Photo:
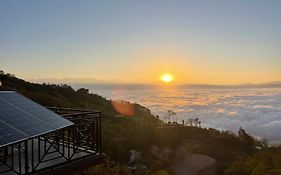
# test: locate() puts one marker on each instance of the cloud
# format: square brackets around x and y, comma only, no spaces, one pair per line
[258,111]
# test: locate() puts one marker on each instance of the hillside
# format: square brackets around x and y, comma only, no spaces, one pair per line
[161,147]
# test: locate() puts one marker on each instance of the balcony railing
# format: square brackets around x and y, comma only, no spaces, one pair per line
[59,147]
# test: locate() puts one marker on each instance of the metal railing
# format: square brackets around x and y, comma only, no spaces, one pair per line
[56,147]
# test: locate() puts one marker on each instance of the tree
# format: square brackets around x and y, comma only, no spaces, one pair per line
[168,115]
[83,91]
[238,168]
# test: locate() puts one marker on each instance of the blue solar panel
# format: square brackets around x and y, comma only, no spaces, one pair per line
[9,134]
[22,118]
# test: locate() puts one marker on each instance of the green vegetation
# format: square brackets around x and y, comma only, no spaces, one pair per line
[266,162]
[109,168]
[235,154]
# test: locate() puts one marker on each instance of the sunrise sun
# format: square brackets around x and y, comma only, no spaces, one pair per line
[167,78]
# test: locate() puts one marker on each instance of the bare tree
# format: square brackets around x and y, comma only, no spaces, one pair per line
[194,122]
[190,121]
[168,115]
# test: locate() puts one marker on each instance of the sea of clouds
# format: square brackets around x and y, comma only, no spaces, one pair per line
[257,110]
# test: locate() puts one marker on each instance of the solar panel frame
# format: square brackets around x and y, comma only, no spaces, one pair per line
[26,117]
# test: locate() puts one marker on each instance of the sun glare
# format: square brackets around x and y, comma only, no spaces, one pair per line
[167,78]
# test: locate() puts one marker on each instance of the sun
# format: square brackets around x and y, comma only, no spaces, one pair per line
[167,78]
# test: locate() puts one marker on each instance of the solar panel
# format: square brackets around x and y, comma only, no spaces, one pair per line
[21,118]
[9,134]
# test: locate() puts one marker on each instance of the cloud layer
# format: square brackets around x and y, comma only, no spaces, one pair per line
[257,110]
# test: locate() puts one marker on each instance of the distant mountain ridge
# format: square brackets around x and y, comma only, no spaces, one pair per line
[273,84]
[115,83]
[124,86]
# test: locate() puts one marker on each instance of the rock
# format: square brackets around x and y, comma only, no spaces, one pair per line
[134,162]
[195,164]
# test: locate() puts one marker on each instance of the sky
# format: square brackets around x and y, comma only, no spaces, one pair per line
[129,41]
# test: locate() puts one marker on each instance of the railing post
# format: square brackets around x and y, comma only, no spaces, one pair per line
[99,130]
[19,158]
[26,167]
